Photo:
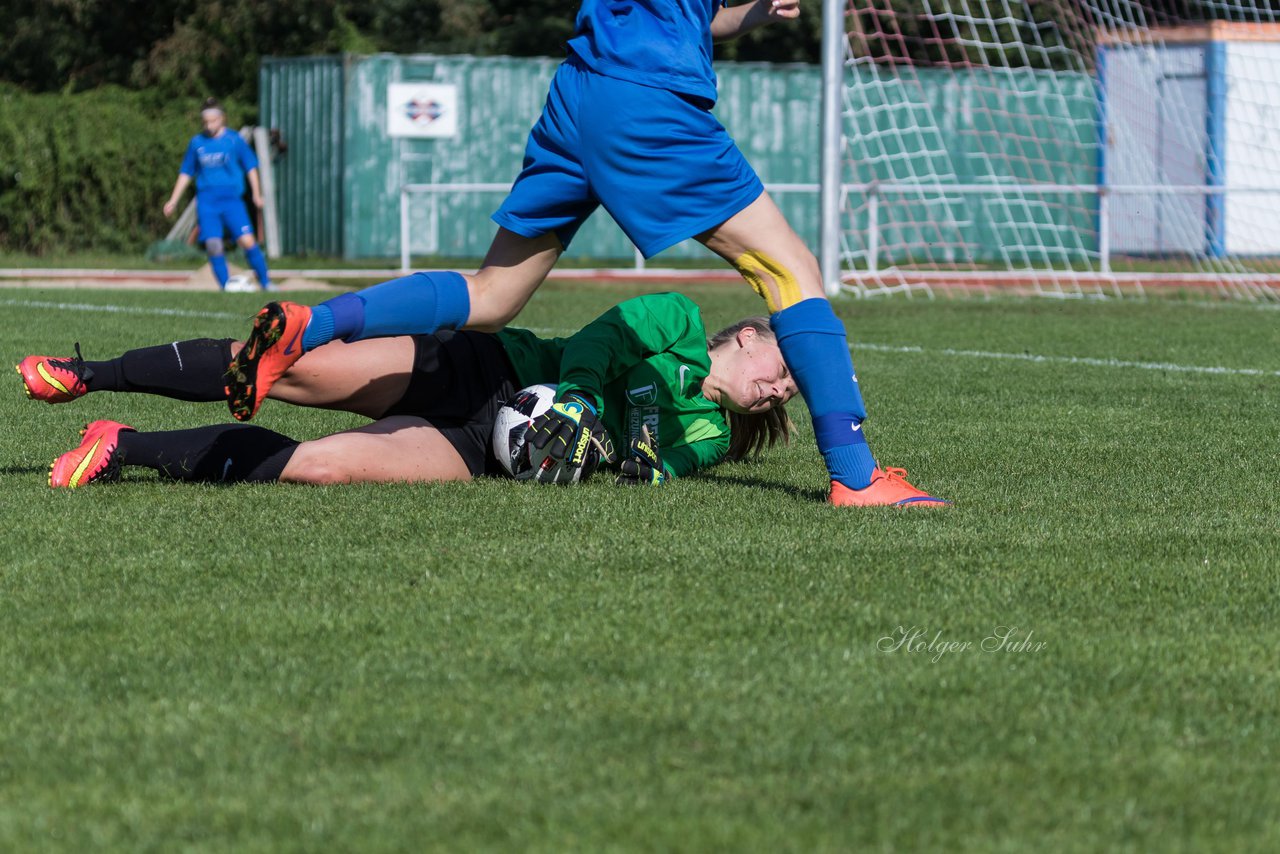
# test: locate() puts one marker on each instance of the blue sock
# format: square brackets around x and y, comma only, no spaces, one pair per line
[813,342]
[219,265]
[418,304]
[259,264]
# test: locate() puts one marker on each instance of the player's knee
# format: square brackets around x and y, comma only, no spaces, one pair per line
[214,247]
[781,284]
[310,464]
[246,241]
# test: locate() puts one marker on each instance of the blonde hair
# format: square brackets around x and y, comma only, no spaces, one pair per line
[751,434]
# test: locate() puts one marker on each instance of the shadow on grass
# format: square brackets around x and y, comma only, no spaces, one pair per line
[37,469]
[797,492]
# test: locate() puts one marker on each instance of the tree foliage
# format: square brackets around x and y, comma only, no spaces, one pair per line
[90,170]
[198,47]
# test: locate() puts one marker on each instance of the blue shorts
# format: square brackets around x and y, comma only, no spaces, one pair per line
[220,214]
[661,164]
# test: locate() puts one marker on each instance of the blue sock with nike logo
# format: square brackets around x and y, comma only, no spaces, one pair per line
[418,304]
[812,340]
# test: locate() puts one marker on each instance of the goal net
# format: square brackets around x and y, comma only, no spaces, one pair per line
[1060,147]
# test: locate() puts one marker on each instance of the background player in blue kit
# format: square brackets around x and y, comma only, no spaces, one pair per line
[628,125]
[219,160]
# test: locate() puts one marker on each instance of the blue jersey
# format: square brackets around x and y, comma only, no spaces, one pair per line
[219,163]
[661,43]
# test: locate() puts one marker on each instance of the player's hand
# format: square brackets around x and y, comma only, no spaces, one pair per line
[169,207]
[788,9]
[642,465]
[257,201]
[567,442]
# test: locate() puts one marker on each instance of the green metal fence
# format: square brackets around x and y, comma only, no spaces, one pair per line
[977,146]
[339,185]
[304,98]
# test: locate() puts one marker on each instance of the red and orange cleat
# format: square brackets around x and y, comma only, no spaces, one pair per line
[53,379]
[272,347]
[93,460]
[888,488]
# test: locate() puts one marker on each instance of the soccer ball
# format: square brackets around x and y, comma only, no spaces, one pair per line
[509,428]
[240,284]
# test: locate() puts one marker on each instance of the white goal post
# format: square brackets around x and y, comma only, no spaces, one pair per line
[1060,147]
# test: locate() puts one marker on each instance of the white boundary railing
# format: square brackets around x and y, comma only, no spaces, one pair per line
[434,191]
[874,192]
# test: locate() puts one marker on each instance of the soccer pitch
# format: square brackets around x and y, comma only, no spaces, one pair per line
[725,663]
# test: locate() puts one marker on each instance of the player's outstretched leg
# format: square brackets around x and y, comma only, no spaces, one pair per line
[95,459]
[420,303]
[813,342]
[417,304]
[54,379]
[221,453]
[758,241]
[183,370]
[273,345]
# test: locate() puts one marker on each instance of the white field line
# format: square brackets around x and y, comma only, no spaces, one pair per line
[125,309]
[1166,367]
[1086,361]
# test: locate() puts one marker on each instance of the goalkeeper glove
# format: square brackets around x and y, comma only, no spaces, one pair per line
[567,442]
[643,463]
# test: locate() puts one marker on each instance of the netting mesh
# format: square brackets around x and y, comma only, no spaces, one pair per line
[1066,147]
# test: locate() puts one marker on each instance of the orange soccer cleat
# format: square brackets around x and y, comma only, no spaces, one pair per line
[272,347]
[93,460]
[54,379]
[888,488]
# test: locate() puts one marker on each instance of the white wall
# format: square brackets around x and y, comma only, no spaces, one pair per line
[1156,111]
[1252,130]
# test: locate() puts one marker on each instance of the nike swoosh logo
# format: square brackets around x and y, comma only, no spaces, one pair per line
[226,467]
[683,369]
[288,351]
[857,427]
[80,470]
[50,378]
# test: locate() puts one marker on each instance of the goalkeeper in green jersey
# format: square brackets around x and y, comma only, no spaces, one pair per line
[661,399]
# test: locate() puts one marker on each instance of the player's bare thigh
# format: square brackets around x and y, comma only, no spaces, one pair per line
[513,269]
[399,449]
[364,377]
[761,244]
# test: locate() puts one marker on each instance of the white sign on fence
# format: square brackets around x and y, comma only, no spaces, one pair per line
[422,109]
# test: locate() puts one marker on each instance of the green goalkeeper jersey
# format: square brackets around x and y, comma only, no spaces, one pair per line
[643,362]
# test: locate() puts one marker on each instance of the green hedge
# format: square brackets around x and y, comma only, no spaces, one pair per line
[90,171]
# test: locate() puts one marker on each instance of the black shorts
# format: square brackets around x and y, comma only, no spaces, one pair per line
[460,380]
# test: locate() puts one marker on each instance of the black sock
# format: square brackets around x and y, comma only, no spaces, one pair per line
[184,370]
[222,453]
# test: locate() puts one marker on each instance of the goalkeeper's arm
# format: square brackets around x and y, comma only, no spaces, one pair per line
[561,439]
[624,336]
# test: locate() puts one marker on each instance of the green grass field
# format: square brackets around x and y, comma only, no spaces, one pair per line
[702,667]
